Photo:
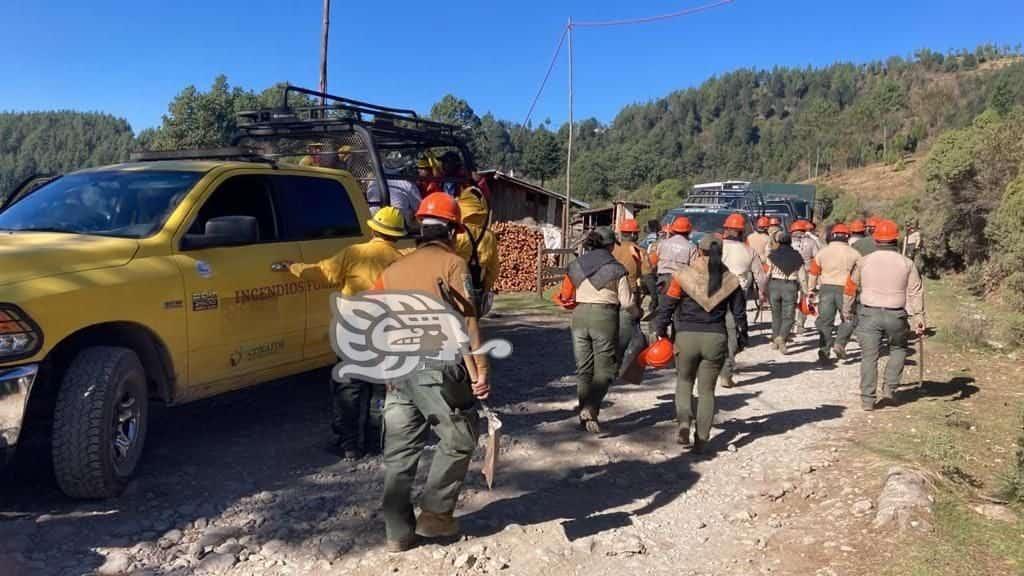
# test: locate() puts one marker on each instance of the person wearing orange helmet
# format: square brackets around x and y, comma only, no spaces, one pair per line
[827,275]
[637,265]
[867,245]
[808,249]
[786,277]
[439,395]
[890,291]
[746,265]
[675,251]
[596,287]
[857,231]
[760,239]
[698,300]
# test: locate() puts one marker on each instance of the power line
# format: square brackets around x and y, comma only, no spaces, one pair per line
[649,19]
[547,75]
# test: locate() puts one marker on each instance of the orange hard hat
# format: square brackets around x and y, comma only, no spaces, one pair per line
[806,308]
[841,229]
[441,206]
[857,227]
[629,225]
[873,221]
[886,231]
[735,222]
[681,225]
[763,222]
[774,221]
[658,355]
[801,225]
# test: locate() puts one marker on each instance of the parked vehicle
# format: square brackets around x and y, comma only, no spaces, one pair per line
[166,279]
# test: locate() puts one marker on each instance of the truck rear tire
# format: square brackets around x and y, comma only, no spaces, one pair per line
[99,424]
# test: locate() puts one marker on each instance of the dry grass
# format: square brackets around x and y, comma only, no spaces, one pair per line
[879,184]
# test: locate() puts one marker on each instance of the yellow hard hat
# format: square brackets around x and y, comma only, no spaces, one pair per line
[388,221]
[344,149]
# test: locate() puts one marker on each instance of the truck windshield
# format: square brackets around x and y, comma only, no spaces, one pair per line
[122,203]
[702,221]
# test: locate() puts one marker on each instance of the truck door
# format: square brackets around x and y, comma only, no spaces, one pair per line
[323,216]
[246,313]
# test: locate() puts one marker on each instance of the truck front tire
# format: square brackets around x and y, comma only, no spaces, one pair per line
[99,424]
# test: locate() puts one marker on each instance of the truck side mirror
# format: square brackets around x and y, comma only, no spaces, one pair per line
[224,231]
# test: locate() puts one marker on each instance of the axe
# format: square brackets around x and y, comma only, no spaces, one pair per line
[493,422]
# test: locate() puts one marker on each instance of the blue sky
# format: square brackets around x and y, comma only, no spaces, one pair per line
[130,58]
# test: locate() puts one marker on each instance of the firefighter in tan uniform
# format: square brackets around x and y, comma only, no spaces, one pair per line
[759,240]
[890,292]
[827,274]
[744,263]
[785,283]
[596,288]
[808,249]
[438,396]
[635,261]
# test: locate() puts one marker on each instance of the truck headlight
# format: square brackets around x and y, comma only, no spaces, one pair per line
[20,337]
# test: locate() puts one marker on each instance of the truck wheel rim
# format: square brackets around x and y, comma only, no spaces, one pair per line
[127,415]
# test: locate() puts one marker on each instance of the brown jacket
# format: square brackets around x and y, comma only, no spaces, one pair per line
[633,259]
[832,266]
[886,279]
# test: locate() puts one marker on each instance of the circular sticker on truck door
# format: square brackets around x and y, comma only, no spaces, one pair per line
[203,269]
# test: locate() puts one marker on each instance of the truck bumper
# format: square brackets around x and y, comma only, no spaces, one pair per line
[15,386]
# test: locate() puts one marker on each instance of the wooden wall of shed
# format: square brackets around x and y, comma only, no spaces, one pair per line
[510,202]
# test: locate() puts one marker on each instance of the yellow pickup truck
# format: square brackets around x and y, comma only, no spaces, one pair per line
[159,281]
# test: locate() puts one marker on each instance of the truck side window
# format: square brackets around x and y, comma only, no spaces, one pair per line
[313,208]
[247,195]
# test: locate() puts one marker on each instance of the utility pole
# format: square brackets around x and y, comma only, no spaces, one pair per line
[323,51]
[567,222]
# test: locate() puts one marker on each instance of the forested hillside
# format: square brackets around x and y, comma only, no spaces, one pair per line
[55,142]
[780,124]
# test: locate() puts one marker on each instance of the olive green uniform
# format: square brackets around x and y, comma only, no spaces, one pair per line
[783,295]
[437,398]
[830,303]
[595,337]
[699,357]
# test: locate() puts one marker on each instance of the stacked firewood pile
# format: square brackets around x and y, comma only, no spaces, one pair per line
[517,251]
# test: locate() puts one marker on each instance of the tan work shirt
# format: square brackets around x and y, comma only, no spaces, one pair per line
[621,295]
[744,262]
[633,259]
[886,279]
[421,270]
[759,242]
[832,266]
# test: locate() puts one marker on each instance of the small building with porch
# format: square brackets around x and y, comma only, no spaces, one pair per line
[611,215]
[515,199]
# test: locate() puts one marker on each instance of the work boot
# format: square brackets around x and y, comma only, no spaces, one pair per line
[867,406]
[823,356]
[399,546]
[780,344]
[700,447]
[434,525]
[726,381]
[683,436]
[839,350]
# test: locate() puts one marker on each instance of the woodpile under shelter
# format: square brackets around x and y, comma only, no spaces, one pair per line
[513,199]
[611,215]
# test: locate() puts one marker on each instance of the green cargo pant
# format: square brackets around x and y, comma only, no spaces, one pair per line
[830,303]
[349,404]
[625,334]
[699,355]
[873,325]
[595,330]
[435,399]
[733,338]
[783,297]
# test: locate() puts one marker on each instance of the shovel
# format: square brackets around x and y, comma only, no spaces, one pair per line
[493,434]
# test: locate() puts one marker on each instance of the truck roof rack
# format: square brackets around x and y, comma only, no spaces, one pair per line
[392,128]
[230,153]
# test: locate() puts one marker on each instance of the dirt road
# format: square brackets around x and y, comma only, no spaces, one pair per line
[243,484]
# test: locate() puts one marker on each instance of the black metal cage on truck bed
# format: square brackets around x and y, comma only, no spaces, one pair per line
[378,145]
